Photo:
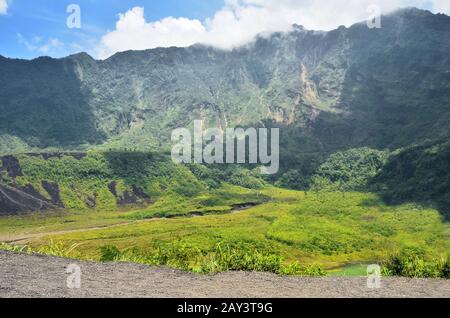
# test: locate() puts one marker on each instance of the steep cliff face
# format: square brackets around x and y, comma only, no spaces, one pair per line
[383,88]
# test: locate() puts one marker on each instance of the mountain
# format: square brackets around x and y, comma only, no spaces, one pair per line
[382,88]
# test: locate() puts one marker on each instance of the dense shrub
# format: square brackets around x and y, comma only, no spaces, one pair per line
[350,170]
[293,179]
[215,175]
[419,174]
[412,263]
[222,257]
[245,179]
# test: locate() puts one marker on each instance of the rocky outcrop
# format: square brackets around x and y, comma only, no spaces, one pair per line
[15,201]
[136,196]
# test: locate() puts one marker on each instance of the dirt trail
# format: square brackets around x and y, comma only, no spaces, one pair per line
[23,275]
[25,238]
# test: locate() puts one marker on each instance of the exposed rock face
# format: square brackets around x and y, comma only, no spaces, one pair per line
[80,181]
[11,165]
[15,201]
[136,196]
[53,190]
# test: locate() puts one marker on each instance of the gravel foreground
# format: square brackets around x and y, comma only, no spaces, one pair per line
[40,276]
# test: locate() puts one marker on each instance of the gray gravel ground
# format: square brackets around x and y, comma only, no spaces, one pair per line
[43,276]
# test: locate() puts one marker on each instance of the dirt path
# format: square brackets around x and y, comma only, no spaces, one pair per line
[24,275]
[25,238]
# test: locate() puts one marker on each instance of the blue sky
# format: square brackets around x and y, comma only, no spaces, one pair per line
[39,21]
[31,28]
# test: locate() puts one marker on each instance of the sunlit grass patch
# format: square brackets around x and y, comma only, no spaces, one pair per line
[308,231]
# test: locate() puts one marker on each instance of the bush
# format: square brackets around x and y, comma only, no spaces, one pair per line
[349,170]
[109,253]
[59,249]
[245,179]
[412,263]
[222,257]
[446,269]
[241,258]
[301,270]
[293,179]
[15,248]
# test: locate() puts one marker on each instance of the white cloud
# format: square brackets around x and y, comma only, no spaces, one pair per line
[37,39]
[133,32]
[442,6]
[55,43]
[36,44]
[239,21]
[3,6]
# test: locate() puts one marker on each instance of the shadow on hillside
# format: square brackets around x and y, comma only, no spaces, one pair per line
[133,166]
[124,163]
[44,103]
[418,174]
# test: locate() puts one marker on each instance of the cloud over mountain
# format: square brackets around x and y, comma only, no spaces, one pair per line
[3,6]
[239,21]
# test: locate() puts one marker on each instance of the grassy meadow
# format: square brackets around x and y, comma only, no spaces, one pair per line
[281,231]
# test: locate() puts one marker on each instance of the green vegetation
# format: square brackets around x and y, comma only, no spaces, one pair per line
[234,256]
[349,170]
[350,270]
[219,201]
[107,181]
[415,263]
[15,248]
[103,180]
[360,91]
[300,232]
[363,134]
[417,174]
[253,226]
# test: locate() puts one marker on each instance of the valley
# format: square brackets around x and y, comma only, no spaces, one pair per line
[293,233]
[86,172]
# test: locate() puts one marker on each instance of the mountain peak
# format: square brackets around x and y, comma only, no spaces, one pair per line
[81,56]
[412,12]
[298,27]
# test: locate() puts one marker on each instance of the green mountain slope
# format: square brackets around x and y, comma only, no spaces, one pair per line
[420,174]
[106,181]
[343,99]
[383,88]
